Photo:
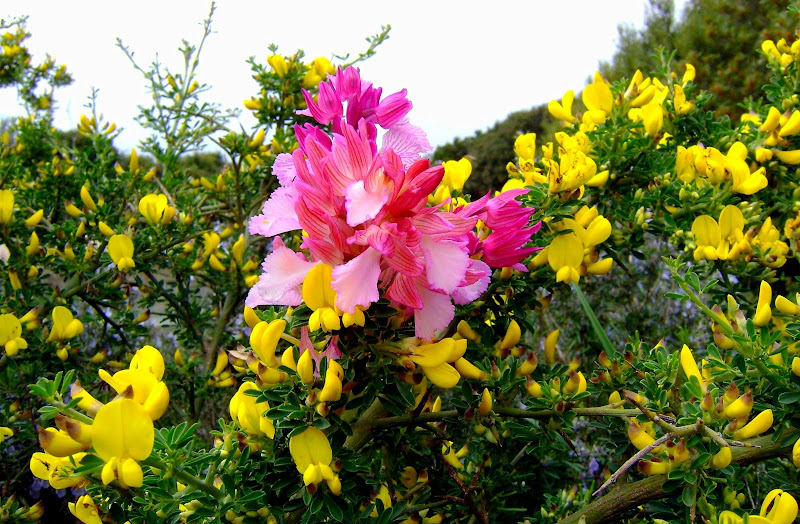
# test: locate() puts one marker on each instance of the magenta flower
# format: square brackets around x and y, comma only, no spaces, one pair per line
[363,210]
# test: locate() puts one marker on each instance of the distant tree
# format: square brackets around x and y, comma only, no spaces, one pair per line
[636,47]
[718,37]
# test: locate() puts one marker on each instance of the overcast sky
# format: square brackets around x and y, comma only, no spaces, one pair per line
[466,65]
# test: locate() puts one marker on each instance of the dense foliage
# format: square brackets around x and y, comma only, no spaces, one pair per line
[331,330]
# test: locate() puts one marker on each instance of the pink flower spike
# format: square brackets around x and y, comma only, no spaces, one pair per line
[356,283]
[392,109]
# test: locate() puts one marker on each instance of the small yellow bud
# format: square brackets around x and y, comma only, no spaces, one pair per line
[755,427]
[87,200]
[722,458]
[72,210]
[305,368]
[486,403]
[550,343]
[35,218]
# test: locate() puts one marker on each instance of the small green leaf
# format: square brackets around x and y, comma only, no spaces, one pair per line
[687,497]
[790,397]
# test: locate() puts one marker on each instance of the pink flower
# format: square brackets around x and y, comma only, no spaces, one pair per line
[363,211]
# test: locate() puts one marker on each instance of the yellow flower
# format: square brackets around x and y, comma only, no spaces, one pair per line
[761,423]
[264,339]
[681,106]
[64,325]
[572,171]
[249,414]
[525,146]
[456,173]
[312,455]
[689,366]
[149,359]
[142,381]
[123,434]
[10,331]
[120,248]
[597,95]
[435,359]
[653,118]
[278,64]
[565,255]
[85,510]
[779,507]
[763,310]
[57,471]
[332,389]
[722,458]
[156,210]
[563,110]
[6,206]
[320,297]
[59,444]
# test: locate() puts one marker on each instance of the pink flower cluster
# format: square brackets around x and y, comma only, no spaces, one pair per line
[363,211]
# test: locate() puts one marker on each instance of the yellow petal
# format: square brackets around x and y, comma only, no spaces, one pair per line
[432,355]
[444,375]
[310,447]
[149,359]
[122,428]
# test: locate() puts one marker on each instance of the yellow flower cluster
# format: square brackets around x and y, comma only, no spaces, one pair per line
[730,405]
[573,253]
[709,165]
[570,172]
[727,240]
[121,432]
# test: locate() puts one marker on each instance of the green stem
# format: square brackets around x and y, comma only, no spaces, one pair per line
[72,413]
[186,478]
[290,339]
[596,326]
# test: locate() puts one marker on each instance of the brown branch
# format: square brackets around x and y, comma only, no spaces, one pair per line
[610,507]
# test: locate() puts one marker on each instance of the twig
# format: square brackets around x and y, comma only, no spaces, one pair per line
[633,460]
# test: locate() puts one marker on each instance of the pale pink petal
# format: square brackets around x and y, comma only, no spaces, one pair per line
[362,205]
[436,313]
[278,215]
[284,271]
[284,169]
[482,275]
[356,283]
[407,141]
[446,263]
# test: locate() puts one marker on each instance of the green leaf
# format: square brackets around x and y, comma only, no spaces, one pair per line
[687,497]
[252,496]
[790,397]
[321,423]
[333,509]
[693,281]
[48,412]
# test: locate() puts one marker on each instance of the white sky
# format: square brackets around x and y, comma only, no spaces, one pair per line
[465,64]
